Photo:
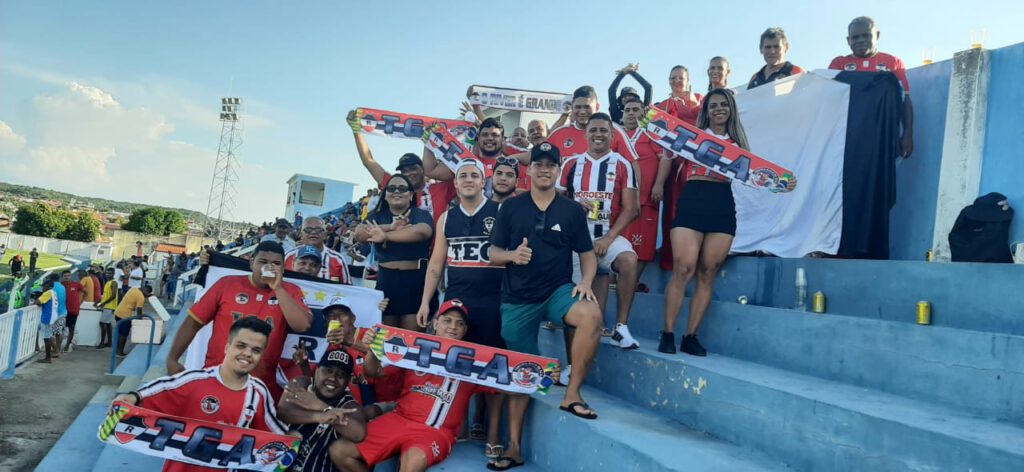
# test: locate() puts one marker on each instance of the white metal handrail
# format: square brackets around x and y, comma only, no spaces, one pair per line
[18,329]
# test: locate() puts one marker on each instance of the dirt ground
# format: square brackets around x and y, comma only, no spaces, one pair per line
[42,400]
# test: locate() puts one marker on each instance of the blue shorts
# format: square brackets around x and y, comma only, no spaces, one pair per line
[520,323]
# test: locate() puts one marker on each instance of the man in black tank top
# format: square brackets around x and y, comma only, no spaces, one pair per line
[461,244]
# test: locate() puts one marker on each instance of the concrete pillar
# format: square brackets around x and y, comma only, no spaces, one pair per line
[963,144]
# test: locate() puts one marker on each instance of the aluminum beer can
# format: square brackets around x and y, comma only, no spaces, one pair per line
[924,313]
[595,210]
[929,256]
[818,306]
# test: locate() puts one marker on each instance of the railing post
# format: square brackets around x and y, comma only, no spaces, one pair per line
[116,338]
[16,335]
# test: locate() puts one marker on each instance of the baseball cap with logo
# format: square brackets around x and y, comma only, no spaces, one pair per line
[453,304]
[547,151]
[337,303]
[307,251]
[407,160]
[339,358]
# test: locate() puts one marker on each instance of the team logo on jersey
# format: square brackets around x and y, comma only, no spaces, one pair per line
[638,240]
[396,351]
[765,177]
[274,452]
[272,301]
[882,67]
[488,225]
[209,404]
[850,66]
[435,448]
[527,374]
[259,297]
[567,144]
[241,299]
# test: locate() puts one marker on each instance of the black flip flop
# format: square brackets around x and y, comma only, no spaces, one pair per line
[572,409]
[512,463]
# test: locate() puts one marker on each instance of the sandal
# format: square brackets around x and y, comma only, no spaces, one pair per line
[508,461]
[478,432]
[572,408]
[493,452]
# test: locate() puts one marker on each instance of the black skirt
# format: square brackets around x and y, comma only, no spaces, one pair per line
[404,289]
[706,207]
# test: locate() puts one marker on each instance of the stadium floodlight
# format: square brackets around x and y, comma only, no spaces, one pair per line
[221,203]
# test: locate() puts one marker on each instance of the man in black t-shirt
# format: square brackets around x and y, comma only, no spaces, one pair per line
[534,237]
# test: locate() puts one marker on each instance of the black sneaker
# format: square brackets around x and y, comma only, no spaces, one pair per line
[691,346]
[667,343]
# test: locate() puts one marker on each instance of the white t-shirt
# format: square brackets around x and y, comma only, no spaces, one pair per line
[132,281]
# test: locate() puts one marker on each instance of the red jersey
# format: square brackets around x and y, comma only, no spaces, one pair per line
[490,162]
[332,265]
[74,296]
[436,401]
[693,169]
[682,108]
[201,394]
[648,156]
[572,141]
[880,62]
[433,199]
[602,180]
[97,289]
[233,297]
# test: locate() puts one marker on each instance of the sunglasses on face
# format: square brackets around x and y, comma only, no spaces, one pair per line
[396,189]
[312,230]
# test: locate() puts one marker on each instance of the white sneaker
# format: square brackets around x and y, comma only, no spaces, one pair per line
[564,378]
[623,338]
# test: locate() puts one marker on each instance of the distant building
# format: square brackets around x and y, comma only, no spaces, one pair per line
[316,195]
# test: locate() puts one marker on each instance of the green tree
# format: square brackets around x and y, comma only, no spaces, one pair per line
[36,219]
[81,226]
[153,220]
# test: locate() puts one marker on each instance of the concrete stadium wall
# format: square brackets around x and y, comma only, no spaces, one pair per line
[1003,165]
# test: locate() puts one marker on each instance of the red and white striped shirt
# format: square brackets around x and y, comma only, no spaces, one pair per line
[332,265]
[571,140]
[598,180]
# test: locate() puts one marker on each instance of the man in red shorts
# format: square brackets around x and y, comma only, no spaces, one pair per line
[422,428]
[862,36]
[643,232]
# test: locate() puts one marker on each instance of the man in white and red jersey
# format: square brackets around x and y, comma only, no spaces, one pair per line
[490,147]
[571,139]
[603,181]
[224,393]
[432,197]
[262,294]
[643,232]
[332,263]
[862,36]
[430,411]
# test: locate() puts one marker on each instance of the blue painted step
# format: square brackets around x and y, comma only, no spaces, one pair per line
[626,437]
[78,448]
[810,423]
[974,371]
[467,456]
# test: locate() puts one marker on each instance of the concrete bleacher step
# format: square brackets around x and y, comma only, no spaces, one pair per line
[466,456]
[78,447]
[975,371]
[807,422]
[627,437]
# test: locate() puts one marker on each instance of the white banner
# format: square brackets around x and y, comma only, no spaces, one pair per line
[520,100]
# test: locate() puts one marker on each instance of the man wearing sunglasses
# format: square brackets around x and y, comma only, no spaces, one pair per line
[332,264]
[280,235]
[534,237]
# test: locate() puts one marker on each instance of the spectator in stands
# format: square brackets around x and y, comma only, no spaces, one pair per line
[3,249]
[519,139]
[537,132]
[432,197]
[88,286]
[490,146]
[704,226]
[130,305]
[862,36]
[505,179]
[298,219]
[332,263]
[534,237]
[33,257]
[643,232]
[615,98]
[262,293]
[177,268]
[718,73]
[219,246]
[137,274]
[307,260]
[17,264]
[571,139]
[774,46]
[62,312]
[401,235]
[242,399]
[47,300]
[108,303]
[280,235]
[75,293]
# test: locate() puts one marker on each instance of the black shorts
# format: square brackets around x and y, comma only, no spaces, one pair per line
[72,320]
[706,207]
[404,290]
[484,321]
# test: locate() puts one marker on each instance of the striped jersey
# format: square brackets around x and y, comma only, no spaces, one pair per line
[436,401]
[48,305]
[201,394]
[572,140]
[601,181]
[314,453]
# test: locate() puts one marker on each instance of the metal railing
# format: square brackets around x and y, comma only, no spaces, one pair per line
[116,338]
[18,330]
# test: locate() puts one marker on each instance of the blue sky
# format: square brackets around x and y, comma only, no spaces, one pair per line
[119,99]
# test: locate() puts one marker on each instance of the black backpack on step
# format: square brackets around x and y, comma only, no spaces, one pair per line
[981,232]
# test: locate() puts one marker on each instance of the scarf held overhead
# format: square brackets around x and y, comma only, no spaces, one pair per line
[404,125]
[196,442]
[496,368]
[446,147]
[728,160]
[519,100]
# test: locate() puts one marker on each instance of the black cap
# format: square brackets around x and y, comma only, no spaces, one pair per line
[409,159]
[545,150]
[628,91]
[337,357]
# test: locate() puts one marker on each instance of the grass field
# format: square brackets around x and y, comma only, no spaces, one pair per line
[45,261]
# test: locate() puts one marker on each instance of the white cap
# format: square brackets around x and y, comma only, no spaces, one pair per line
[471,162]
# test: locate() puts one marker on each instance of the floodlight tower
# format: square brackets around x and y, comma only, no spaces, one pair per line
[221,204]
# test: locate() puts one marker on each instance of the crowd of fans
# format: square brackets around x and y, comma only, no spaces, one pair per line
[531,231]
